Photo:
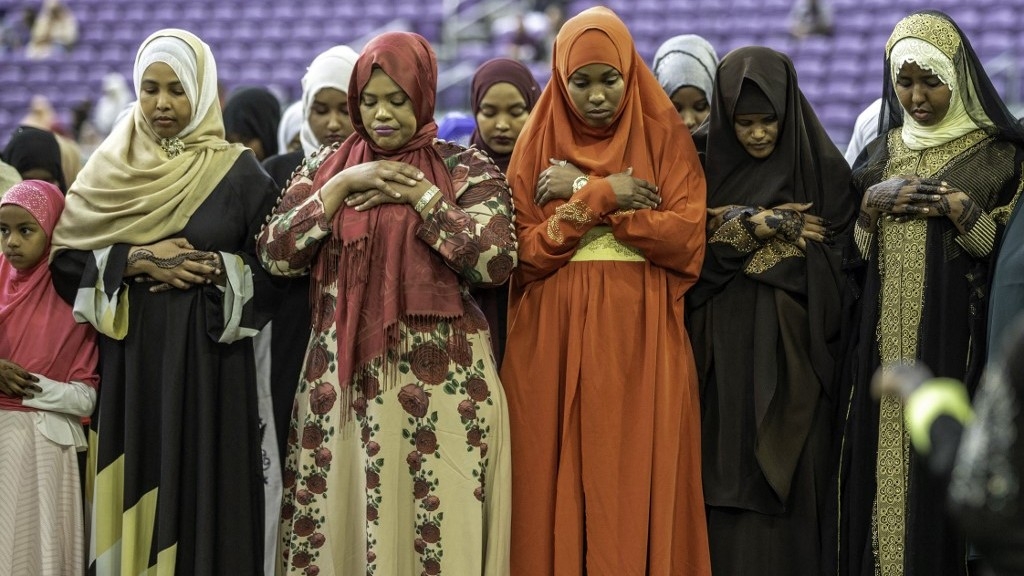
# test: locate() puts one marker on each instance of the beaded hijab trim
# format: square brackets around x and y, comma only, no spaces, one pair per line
[930,28]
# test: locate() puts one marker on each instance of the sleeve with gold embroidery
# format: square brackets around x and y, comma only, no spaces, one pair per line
[475,236]
[735,234]
[548,237]
[863,239]
[673,234]
[289,240]
[981,238]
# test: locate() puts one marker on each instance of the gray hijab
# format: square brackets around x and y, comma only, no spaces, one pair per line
[686,60]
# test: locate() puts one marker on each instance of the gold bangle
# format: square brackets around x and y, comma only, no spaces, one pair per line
[426,198]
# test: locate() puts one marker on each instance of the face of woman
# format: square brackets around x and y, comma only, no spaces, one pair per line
[328,116]
[387,112]
[501,117]
[163,100]
[757,133]
[692,104]
[596,90]
[922,94]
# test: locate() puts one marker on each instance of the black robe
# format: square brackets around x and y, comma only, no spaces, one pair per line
[766,326]
[291,328]
[943,306]
[177,418]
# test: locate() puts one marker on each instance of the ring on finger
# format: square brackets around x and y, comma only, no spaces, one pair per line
[562,163]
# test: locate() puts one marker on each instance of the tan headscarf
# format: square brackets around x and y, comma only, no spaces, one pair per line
[131,190]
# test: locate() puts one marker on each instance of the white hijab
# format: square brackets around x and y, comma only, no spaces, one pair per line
[291,124]
[330,69]
[686,60]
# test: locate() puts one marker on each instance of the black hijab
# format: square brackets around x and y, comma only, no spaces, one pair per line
[254,113]
[750,304]
[31,148]
[804,167]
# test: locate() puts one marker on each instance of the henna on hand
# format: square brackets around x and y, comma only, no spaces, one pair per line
[883,196]
[166,263]
[970,212]
[789,224]
[865,221]
[738,211]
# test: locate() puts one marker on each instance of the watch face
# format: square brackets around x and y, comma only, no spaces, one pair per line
[579,182]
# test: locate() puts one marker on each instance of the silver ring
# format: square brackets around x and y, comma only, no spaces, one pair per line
[561,163]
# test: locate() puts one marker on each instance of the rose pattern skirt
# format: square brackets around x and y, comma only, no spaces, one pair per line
[411,463]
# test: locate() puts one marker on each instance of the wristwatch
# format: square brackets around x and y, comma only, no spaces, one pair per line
[579,182]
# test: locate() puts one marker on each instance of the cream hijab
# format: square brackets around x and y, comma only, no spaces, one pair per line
[133,190]
[957,121]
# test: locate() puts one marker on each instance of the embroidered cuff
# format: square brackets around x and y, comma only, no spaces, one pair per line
[862,238]
[770,254]
[735,234]
[981,238]
[575,213]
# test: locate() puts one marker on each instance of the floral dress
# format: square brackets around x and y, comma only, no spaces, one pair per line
[408,472]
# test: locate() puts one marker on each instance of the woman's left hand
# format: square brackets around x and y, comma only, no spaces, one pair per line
[406,195]
[956,205]
[556,181]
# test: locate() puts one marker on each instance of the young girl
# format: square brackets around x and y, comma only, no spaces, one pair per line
[48,383]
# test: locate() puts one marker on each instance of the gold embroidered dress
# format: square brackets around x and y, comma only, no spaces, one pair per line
[924,301]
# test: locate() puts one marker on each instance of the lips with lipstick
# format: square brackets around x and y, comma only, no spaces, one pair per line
[384,131]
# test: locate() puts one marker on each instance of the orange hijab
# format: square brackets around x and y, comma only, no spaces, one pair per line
[557,130]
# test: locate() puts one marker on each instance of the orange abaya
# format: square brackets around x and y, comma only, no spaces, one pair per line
[598,370]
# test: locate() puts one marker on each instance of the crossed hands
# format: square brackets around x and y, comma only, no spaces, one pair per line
[371,184]
[174,263]
[788,222]
[555,182]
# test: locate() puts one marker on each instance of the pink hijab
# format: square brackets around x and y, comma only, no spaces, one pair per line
[37,329]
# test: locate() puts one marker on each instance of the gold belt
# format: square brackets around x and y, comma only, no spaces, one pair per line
[599,243]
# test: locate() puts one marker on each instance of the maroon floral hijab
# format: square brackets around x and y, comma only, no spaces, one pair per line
[384,272]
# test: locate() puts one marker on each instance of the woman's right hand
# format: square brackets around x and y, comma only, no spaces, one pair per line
[173,263]
[633,193]
[791,223]
[17,382]
[366,180]
[718,216]
[901,195]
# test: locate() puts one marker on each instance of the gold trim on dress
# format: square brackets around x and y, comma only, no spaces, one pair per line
[735,234]
[770,254]
[901,266]
[575,213]
[1002,214]
[599,243]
